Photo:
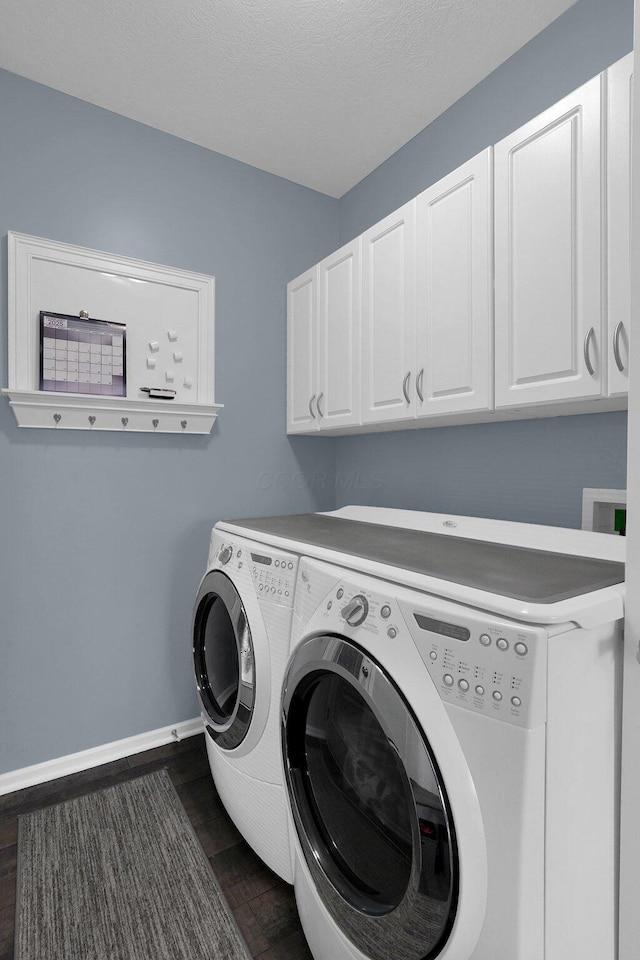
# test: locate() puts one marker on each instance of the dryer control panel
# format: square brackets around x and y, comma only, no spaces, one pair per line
[492,666]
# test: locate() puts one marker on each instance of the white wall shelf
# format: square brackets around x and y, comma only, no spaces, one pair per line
[169,316]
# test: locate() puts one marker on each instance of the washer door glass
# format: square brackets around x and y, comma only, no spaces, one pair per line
[223,660]
[369,805]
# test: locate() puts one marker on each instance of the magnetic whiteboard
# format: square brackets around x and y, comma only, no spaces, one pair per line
[169,314]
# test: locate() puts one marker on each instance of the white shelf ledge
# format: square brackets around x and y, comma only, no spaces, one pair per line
[69,411]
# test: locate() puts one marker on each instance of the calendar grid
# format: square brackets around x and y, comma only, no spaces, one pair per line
[83,356]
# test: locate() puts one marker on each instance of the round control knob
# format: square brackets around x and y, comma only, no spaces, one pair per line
[356,611]
[521,648]
[448,680]
[502,644]
[516,701]
[340,594]
[464,685]
[485,639]
[496,695]
[225,554]
[433,655]
[480,690]
[392,633]
[385,611]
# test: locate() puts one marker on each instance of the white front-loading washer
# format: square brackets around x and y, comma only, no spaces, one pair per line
[452,763]
[241,632]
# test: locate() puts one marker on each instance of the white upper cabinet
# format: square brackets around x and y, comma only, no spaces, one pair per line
[388,317]
[619,78]
[454,293]
[339,331]
[501,290]
[302,352]
[548,289]
[323,343]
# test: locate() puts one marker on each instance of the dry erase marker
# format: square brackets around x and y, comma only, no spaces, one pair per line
[159,393]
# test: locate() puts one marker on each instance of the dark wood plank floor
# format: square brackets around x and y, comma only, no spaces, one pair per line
[263,905]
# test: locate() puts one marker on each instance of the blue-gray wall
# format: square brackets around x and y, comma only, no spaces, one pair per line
[104,536]
[529,470]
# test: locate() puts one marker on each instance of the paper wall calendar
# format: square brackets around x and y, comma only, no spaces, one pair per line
[82,355]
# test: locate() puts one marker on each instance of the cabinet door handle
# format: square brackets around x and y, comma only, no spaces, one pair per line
[419,379]
[616,345]
[587,357]
[318,407]
[405,386]
[313,416]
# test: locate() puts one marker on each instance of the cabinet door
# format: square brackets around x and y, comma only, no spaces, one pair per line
[548,308]
[388,317]
[302,353]
[454,291]
[619,78]
[340,300]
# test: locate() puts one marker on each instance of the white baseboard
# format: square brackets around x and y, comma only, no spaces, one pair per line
[62,766]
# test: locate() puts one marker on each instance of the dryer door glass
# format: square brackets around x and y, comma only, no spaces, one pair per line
[223,660]
[369,804]
[359,794]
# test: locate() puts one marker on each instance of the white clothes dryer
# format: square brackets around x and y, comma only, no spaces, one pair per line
[241,632]
[451,752]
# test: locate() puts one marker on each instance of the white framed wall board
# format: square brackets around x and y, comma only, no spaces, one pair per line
[168,314]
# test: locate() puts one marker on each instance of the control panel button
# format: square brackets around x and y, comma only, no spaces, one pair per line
[433,655]
[480,690]
[447,680]
[340,594]
[329,605]
[225,554]
[485,639]
[290,566]
[502,644]
[464,685]
[392,632]
[385,611]
[497,695]
[516,701]
[521,648]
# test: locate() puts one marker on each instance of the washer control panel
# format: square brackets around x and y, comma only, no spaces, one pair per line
[273,571]
[493,667]
[274,575]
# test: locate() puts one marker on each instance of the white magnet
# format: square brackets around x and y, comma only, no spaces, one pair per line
[154,345]
[177,356]
[170,376]
[188,382]
[151,362]
[172,334]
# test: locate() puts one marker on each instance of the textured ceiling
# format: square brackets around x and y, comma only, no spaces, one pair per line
[318,91]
